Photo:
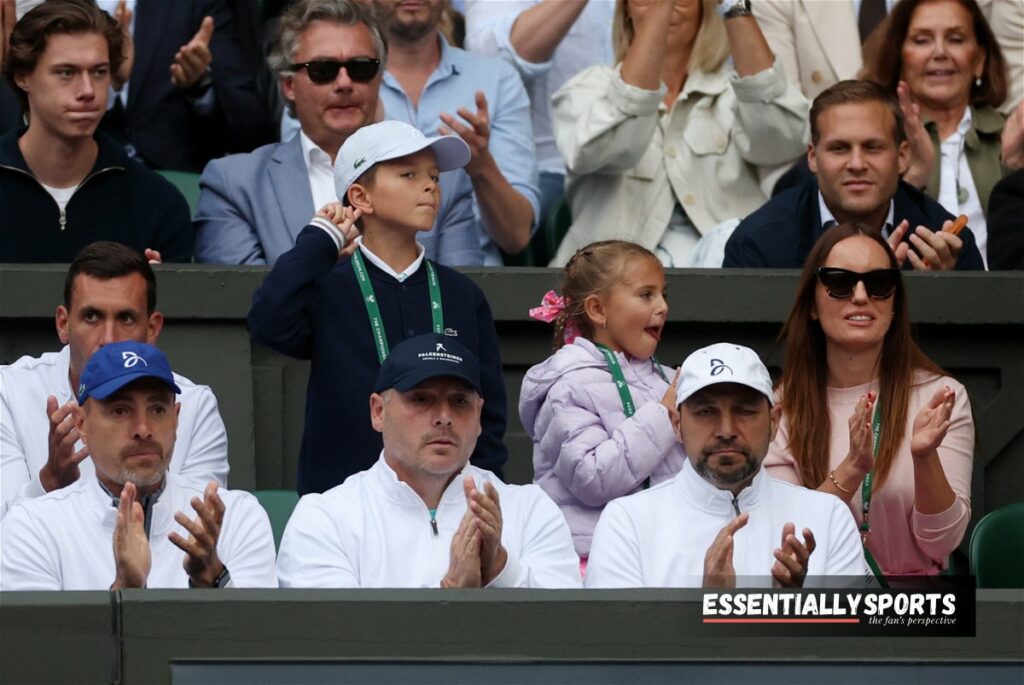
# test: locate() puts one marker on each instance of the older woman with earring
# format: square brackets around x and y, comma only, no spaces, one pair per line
[944,62]
[898,444]
[673,139]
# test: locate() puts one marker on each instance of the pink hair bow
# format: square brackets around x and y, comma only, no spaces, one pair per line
[551,306]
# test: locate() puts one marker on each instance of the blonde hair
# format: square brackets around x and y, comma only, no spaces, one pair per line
[593,270]
[710,49]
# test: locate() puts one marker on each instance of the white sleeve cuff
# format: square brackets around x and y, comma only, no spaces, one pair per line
[331,229]
[513,575]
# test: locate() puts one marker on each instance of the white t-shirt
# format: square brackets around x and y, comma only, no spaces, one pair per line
[63,540]
[200,448]
[60,195]
[373,530]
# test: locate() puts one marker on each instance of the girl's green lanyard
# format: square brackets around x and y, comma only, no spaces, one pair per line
[628,408]
[370,300]
[865,493]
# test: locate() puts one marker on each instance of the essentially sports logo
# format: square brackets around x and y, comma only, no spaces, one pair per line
[359,162]
[942,609]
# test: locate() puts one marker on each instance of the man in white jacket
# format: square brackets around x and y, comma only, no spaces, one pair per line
[422,516]
[723,522]
[124,525]
[109,296]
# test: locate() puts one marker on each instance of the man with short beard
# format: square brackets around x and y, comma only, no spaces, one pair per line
[127,416]
[723,522]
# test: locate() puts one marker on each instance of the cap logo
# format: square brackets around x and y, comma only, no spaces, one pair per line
[81,388]
[131,359]
[718,367]
[451,332]
[440,347]
[359,163]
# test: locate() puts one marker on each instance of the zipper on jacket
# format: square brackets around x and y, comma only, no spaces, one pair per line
[736,505]
[63,212]
[433,524]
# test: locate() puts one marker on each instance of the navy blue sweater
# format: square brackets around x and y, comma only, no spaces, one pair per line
[119,200]
[781,233]
[310,307]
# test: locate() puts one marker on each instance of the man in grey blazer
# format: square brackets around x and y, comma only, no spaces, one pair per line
[329,57]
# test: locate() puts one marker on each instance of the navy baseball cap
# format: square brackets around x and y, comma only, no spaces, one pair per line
[424,357]
[116,365]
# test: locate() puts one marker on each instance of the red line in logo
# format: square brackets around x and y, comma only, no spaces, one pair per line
[782,620]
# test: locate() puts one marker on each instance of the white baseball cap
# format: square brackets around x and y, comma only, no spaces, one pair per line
[723,363]
[390,140]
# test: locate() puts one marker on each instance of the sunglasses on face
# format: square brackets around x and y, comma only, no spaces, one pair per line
[321,71]
[840,283]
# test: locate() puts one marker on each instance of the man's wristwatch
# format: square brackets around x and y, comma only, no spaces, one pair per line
[730,9]
[222,579]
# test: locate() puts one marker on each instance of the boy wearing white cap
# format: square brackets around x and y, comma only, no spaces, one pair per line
[342,299]
[723,522]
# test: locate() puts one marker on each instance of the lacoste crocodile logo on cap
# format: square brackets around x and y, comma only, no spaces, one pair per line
[359,162]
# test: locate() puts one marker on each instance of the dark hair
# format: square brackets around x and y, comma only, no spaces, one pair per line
[592,270]
[105,259]
[804,380]
[32,33]
[886,67]
[851,92]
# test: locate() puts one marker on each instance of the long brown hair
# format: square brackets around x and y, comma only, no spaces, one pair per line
[592,270]
[804,380]
[885,67]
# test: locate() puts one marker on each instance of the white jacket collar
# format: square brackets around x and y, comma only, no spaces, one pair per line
[384,478]
[101,506]
[716,501]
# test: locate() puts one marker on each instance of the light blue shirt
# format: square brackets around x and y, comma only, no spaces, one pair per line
[454,83]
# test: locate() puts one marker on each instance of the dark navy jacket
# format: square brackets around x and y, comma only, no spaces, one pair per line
[310,307]
[119,200]
[781,233]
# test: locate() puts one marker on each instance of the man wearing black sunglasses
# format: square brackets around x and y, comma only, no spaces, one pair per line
[329,56]
[858,153]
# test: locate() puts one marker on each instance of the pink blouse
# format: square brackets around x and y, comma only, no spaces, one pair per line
[903,540]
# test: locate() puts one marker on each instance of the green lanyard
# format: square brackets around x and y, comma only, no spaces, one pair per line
[865,493]
[380,338]
[628,407]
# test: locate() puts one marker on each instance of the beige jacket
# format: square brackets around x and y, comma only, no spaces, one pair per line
[629,161]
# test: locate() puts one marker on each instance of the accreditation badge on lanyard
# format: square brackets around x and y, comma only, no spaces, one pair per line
[865,494]
[628,407]
[380,338]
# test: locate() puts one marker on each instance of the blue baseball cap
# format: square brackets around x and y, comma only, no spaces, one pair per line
[387,140]
[116,365]
[423,357]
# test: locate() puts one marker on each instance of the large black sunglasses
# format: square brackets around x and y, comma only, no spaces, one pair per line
[840,283]
[321,71]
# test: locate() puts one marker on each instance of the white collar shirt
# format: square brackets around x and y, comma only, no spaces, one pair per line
[320,170]
[828,220]
[399,276]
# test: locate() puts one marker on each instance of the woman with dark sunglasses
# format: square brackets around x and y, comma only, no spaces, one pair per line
[867,416]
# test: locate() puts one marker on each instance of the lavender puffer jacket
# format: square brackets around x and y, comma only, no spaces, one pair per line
[585,451]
